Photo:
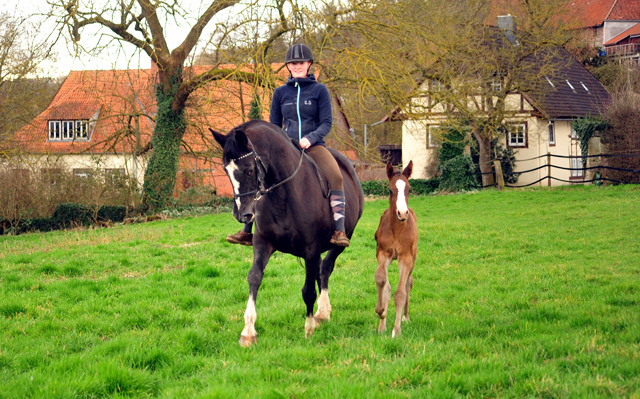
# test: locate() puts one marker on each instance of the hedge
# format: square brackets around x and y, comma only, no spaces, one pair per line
[65,216]
[418,186]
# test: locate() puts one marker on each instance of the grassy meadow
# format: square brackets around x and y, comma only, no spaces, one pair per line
[528,293]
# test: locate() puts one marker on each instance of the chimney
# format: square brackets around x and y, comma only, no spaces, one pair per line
[507,24]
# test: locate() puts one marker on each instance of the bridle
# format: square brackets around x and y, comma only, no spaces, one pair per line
[262,171]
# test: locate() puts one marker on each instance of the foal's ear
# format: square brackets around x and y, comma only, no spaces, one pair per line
[219,137]
[407,171]
[390,170]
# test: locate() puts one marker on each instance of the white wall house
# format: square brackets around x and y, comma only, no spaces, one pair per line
[539,121]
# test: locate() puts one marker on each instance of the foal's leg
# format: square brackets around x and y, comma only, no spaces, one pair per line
[326,268]
[384,289]
[309,293]
[261,256]
[405,317]
[402,296]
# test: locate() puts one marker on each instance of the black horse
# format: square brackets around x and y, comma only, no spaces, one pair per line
[276,187]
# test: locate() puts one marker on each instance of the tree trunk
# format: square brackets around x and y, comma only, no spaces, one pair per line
[160,176]
[484,150]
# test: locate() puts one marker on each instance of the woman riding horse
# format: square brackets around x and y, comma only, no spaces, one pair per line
[303,106]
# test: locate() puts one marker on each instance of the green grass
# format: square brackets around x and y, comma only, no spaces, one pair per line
[530,293]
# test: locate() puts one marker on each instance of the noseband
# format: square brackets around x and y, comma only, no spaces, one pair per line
[262,170]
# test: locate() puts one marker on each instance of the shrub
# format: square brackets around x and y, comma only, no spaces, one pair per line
[458,174]
[375,187]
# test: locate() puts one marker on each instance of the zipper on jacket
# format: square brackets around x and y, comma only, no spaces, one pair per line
[298,109]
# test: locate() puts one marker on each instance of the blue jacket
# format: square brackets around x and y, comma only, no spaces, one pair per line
[314,117]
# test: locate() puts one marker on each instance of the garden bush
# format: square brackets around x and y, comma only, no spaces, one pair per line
[458,174]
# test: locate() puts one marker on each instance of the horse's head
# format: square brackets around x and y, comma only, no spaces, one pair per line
[245,171]
[399,189]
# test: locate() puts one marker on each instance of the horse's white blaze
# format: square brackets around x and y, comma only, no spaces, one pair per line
[250,319]
[231,168]
[401,202]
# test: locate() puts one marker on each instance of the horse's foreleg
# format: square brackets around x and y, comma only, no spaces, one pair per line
[261,256]
[401,296]
[384,289]
[309,293]
[326,268]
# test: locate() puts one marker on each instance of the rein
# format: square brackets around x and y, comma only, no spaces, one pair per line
[261,173]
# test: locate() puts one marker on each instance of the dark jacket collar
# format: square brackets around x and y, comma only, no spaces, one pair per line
[302,81]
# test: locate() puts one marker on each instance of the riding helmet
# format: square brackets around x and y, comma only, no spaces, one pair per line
[298,53]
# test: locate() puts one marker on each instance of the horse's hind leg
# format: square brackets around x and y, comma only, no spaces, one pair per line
[261,256]
[401,297]
[384,289]
[326,268]
[405,317]
[309,293]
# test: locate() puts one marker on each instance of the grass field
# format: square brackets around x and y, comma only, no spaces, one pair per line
[532,293]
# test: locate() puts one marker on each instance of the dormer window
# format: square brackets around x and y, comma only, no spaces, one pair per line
[436,85]
[68,130]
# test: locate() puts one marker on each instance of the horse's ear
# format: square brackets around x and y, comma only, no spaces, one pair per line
[390,170]
[242,140]
[219,137]
[407,171]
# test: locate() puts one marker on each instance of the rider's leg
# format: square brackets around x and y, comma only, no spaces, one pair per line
[243,237]
[329,166]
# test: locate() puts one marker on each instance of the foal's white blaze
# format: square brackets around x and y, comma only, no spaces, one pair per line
[250,319]
[401,201]
[230,168]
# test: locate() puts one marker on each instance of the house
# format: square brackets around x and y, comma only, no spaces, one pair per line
[602,21]
[103,120]
[626,46]
[539,119]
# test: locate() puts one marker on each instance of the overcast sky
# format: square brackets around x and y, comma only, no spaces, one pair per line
[120,57]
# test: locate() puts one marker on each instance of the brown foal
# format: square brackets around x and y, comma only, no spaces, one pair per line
[397,238]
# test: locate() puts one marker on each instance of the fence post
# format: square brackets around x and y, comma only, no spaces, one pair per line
[499,176]
[548,169]
[603,162]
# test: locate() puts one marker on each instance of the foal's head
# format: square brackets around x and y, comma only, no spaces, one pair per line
[399,189]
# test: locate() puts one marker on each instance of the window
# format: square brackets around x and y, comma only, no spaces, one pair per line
[51,176]
[114,176]
[83,173]
[574,134]
[436,85]
[496,84]
[576,167]
[68,130]
[433,136]
[81,130]
[552,134]
[517,135]
[54,130]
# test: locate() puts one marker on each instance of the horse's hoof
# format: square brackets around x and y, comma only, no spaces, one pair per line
[395,333]
[405,319]
[246,342]
[309,326]
[321,318]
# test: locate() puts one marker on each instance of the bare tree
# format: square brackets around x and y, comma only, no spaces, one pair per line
[142,24]
[25,90]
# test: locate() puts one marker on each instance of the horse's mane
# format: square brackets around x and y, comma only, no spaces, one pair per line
[231,148]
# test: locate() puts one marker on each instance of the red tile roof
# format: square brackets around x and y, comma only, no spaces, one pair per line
[633,31]
[593,13]
[113,96]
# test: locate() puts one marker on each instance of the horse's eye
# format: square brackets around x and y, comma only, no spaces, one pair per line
[249,173]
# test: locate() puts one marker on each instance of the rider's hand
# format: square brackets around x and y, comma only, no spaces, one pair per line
[305,143]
